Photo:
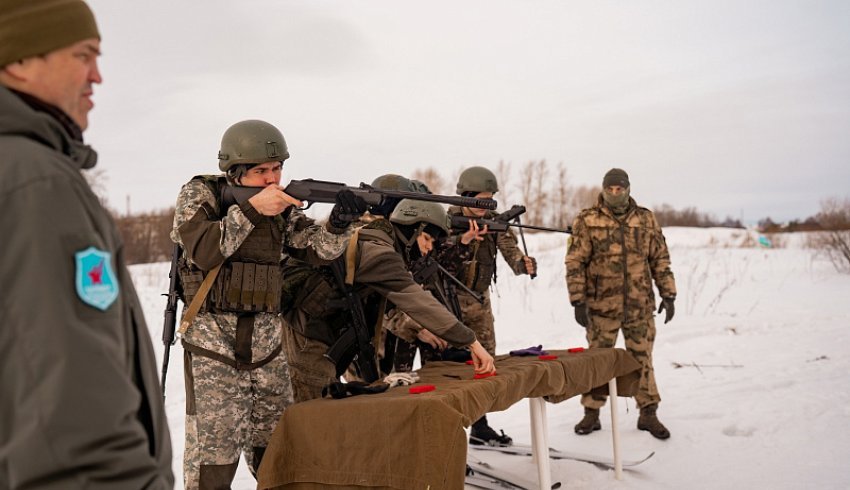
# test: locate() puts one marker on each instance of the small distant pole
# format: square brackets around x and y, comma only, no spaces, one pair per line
[128,204]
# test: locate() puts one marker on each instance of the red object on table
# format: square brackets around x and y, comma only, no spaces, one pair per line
[547,357]
[469,362]
[414,390]
[484,375]
[575,349]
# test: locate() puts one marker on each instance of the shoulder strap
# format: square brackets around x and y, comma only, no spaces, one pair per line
[198,300]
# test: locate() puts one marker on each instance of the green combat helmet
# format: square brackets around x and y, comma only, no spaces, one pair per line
[393,182]
[251,142]
[411,212]
[420,186]
[477,179]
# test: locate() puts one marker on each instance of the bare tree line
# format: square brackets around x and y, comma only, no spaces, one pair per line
[551,199]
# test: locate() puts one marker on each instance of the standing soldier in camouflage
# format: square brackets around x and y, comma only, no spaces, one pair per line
[237,378]
[478,271]
[617,250]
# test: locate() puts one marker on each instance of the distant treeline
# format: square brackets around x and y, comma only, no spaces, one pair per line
[547,193]
[552,200]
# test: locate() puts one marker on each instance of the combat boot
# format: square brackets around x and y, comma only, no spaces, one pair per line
[589,423]
[649,421]
[482,434]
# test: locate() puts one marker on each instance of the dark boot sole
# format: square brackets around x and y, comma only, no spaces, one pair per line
[661,435]
[584,432]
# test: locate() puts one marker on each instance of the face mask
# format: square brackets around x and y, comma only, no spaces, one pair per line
[617,203]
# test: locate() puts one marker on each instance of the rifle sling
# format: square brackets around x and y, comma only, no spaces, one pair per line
[193,308]
[351,257]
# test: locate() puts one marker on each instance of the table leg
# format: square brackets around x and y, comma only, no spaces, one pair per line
[615,432]
[540,441]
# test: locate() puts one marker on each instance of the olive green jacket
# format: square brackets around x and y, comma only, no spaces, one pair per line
[79,390]
[378,272]
[612,262]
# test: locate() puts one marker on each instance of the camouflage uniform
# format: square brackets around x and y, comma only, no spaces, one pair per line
[611,264]
[237,380]
[478,271]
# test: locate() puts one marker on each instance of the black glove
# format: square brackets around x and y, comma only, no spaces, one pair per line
[582,316]
[668,308]
[348,208]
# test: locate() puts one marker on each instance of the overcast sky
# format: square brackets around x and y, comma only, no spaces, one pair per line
[739,108]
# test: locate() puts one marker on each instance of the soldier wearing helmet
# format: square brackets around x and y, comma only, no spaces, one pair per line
[477,269]
[233,346]
[376,273]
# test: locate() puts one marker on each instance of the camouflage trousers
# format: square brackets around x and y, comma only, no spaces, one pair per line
[639,338]
[310,370]
[229,412]
[479,317]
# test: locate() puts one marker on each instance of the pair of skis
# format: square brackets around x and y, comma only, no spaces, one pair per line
[480,474]
[484,475]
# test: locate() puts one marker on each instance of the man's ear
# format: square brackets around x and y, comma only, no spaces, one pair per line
[18,71]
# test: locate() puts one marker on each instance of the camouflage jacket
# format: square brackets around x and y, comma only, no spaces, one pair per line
[478,268]
[209,236]
[612,261]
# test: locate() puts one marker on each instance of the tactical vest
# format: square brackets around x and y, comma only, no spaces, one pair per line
[249,280]
[315,291]
[480,270]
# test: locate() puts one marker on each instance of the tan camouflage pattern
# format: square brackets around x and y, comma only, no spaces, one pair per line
[479,317]
[234,411]
[400,324]
[612,261]
[639,338]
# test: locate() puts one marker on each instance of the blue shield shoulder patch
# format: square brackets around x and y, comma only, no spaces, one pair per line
[95,280]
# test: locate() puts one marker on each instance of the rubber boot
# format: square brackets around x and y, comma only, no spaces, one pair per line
[649,421]
[482,434]
[589,423]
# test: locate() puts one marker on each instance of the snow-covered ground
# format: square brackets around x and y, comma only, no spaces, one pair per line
[762,397]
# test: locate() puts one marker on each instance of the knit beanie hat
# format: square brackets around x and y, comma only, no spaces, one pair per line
[36,27]
[616,176]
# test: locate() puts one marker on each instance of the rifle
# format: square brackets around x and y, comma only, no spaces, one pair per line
[425,267]
[313,191]
[168,327]
[501,222]
[355,343]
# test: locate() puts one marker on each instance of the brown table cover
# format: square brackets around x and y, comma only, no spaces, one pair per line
[399,440]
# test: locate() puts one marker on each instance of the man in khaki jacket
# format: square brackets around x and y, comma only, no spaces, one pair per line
[79,390]
[616,251]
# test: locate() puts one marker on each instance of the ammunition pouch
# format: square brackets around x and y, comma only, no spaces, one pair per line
[315,296]
[241,287]
[247,287]
[477,276]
